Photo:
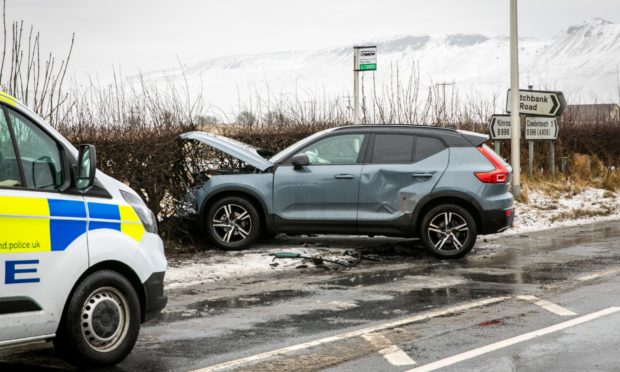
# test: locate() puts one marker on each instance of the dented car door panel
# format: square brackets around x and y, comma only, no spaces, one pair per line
[390,192]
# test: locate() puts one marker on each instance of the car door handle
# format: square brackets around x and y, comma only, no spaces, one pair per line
[344,177]
[422,175]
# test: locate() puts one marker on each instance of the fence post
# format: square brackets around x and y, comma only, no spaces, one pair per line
[563,164]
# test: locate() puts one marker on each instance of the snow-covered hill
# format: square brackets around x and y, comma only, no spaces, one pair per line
[583,61]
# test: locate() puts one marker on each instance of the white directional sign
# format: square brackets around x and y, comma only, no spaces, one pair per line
[541,128]
[536,102]
[365,58]
[499,127]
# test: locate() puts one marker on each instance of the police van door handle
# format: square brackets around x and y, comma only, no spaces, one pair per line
[344,177]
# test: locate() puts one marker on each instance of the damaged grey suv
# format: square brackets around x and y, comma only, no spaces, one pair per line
[443,186]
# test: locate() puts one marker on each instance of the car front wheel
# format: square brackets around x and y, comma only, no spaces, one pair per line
[448,231]
[233,223]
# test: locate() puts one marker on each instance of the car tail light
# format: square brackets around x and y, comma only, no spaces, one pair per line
[498,175]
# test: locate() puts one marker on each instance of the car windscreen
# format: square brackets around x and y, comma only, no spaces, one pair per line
[299,144]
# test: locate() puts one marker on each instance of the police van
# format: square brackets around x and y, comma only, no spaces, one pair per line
[80,259]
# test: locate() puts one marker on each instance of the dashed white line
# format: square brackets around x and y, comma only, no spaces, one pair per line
[392,353]
[598,274]
[514,340]
[381,327]
[556,309]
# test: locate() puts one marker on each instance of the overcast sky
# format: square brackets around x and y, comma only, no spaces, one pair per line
[153,34]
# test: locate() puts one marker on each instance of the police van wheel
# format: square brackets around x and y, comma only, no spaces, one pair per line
[233,223]
[101,322]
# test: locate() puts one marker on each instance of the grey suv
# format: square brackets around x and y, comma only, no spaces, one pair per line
[441,185]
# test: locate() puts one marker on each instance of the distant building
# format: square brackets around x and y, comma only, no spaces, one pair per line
[593,113]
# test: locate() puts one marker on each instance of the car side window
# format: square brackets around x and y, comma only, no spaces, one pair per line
[392,148]
[427,146]
[342,149]
[9,169]
[39,154]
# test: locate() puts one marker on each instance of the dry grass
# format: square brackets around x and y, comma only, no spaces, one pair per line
[581,213]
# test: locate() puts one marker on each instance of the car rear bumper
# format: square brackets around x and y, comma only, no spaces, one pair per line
[155,299]
[495,221]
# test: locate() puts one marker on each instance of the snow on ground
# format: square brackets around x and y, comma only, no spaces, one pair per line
[544,212]
[541,212]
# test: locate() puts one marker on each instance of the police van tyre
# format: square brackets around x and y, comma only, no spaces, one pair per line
[448,231]
[233,223]
[101,321]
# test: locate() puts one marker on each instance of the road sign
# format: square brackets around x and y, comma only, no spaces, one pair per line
[365,58]
[537,102]
[499,127]
[537,128]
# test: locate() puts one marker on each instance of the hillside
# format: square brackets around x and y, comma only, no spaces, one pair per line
[583,61]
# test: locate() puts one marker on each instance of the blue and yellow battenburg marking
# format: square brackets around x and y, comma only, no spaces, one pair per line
[42,225]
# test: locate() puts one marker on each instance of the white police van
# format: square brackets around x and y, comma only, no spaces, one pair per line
[80,259]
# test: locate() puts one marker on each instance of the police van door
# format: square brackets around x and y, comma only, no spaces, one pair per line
[43,244]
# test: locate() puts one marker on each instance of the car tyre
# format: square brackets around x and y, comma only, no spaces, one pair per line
[101,322]
[233,223]
[448,231]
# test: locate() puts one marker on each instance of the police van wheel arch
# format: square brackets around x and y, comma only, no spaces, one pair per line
[233,223]
[101,322]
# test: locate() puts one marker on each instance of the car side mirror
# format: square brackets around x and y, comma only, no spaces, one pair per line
[86,168]
[300,160]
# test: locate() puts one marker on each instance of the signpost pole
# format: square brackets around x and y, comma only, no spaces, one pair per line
[514,113]
[356,97]
[552,156]
[364,59]
[498,147]
[530,164]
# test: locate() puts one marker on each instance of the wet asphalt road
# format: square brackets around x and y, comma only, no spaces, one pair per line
[476,306]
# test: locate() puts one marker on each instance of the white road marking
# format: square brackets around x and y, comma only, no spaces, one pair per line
[392,353]
[514,340]
[344,336]
[556,309]
[598,275]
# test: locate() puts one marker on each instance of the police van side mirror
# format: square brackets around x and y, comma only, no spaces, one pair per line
[86,168]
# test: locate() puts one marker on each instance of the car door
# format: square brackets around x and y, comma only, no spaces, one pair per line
[321,196]
[42,230]
[400,169]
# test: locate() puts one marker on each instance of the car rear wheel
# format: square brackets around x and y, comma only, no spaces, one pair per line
[233,223]
[448,231]
[101,323]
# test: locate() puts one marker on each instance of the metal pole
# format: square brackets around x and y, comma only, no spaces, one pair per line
[356,88]
[514,110]
[498,147]
[552,151]
[356,97]
[530,151]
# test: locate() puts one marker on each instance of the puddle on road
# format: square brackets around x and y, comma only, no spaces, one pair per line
[220,305]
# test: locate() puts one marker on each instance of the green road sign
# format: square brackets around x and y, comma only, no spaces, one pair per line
[368,67]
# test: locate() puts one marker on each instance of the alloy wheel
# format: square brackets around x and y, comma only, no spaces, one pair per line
[232,223]
[448,232]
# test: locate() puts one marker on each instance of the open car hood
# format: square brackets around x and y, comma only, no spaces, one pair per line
[246,153]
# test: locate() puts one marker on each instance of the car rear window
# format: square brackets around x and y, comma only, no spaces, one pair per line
[427,146]
[393,148]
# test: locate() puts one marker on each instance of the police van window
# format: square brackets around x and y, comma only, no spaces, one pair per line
[392,148]
[427,146]
[9,170]
[38,153]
